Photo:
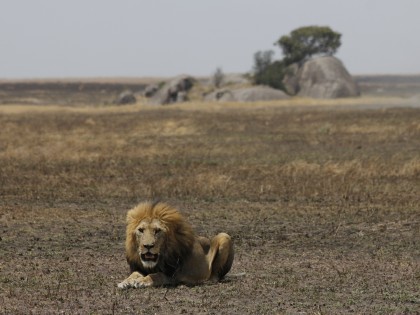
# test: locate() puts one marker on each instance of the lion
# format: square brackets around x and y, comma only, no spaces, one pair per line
[162,249]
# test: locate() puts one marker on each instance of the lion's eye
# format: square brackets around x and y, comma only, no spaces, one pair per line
[141,230]
[158,230]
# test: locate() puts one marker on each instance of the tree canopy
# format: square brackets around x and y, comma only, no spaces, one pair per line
[304,42]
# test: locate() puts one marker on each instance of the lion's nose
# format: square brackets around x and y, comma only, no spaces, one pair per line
[149,246]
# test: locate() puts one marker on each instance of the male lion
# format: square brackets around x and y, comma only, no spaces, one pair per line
[162,249]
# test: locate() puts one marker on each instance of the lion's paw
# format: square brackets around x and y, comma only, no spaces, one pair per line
[134,283]
[141,284]
[124,285]
[127,284]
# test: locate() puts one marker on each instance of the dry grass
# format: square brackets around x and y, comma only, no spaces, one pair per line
[322,202]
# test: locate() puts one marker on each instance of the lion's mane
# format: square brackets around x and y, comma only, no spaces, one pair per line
[178,243]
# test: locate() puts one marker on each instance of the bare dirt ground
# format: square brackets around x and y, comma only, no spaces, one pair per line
[322,203]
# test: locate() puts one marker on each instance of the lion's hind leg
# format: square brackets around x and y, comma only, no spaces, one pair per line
[220,256]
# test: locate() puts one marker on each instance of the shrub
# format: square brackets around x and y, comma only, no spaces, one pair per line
[218,77]
[266,71]
[272,75]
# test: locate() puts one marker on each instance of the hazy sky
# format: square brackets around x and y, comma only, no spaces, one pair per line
[96,38]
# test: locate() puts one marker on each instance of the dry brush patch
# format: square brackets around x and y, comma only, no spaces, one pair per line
[323,206]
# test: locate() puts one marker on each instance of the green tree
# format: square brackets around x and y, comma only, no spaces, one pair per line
[266,71]
[304,42]
[262,60]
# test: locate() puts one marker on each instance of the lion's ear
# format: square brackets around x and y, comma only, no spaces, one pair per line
[131,222]
[129,218]
[131,214]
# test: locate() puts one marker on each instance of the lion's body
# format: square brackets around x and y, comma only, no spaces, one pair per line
[162,249]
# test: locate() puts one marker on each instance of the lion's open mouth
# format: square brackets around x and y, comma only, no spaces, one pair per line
[149,257]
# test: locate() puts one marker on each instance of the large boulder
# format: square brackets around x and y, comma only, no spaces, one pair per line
[247,94]
[150,90]
[126,97]
[173,91]
[322,77]
[221,95]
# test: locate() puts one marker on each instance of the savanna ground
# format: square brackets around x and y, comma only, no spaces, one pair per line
[323,204]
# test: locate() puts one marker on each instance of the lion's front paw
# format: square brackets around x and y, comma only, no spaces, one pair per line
[142,283]
[124,285]
[138,282]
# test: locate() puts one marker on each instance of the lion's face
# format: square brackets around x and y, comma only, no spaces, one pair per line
[157,237]
[150,235]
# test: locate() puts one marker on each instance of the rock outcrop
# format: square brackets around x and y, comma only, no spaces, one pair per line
[173,91]
[151,90]
[126,97]
[247,94]
[322,77]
